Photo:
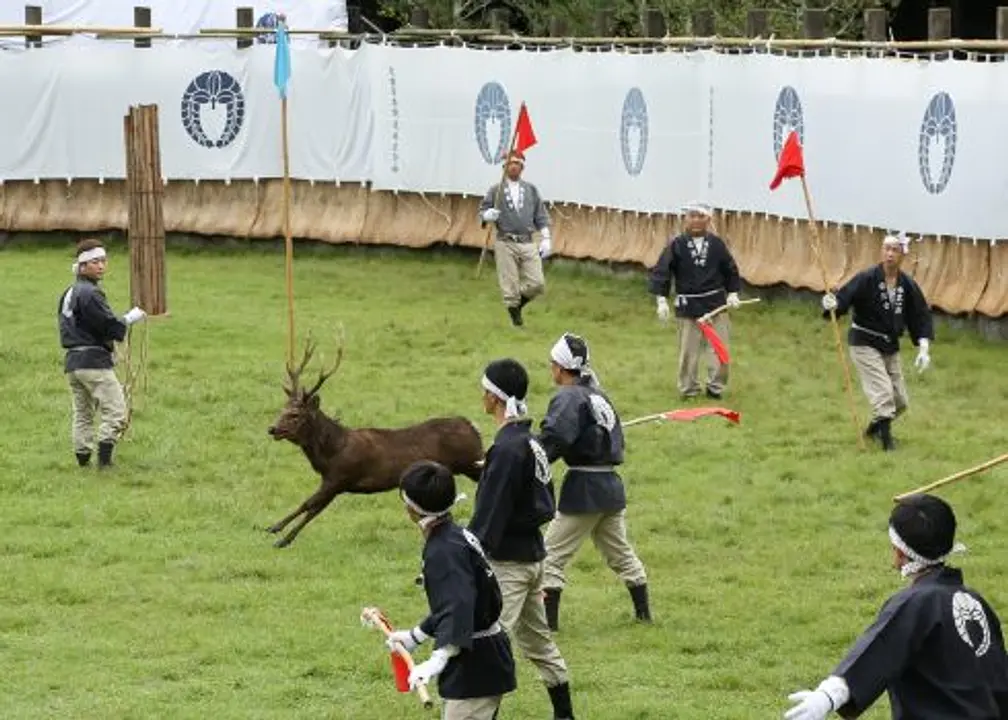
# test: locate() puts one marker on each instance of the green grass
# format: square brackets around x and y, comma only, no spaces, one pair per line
[153,592]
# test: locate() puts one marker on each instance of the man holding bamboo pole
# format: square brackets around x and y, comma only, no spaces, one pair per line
[885,301]
[517,210]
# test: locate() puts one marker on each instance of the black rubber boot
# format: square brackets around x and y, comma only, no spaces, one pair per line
[105,454]
[560,697]
[872,430]
[84,459]
[551,599]
[524,301]
[516,316]
[639,595]
[885,434]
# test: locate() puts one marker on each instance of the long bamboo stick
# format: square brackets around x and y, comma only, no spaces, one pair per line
[953,478]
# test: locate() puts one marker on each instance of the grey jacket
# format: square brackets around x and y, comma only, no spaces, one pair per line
[516,222]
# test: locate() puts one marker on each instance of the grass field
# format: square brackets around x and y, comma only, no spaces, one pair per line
[153,591]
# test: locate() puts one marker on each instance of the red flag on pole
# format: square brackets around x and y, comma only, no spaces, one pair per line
[401,672]
[791,162]
[715,342]
[524,135]
[689,414]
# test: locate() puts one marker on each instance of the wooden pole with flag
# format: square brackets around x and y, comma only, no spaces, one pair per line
[791,163]
[522,139]
[281,76]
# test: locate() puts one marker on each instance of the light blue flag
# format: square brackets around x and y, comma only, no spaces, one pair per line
[281,62]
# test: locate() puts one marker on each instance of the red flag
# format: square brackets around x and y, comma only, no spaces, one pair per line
[524,135]
[715,342]
[401,672]
[694,413]
[791,162]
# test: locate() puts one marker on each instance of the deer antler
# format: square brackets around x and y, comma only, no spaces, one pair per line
[295,375]
[326,374]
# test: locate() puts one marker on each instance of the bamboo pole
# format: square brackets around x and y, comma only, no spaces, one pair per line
[953,478]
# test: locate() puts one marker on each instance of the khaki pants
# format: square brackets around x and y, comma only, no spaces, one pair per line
[524,618]
[566,533]
[471,708]
[881,379]
[96,390]
[519,271]
[693,345]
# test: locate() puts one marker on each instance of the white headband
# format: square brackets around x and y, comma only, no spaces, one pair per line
[515,407]
[87,256]
[902,240]
[917,561]
[561,354]
[427,517]
[697,207]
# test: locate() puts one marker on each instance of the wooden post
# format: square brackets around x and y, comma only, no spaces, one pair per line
[703,23]
[141,18]
[420,17]
[939,23]
[604,22]
[814,24]
[757,22]
[500,20]
[654,24]
[244,18]
[1002,23]
[875,25]
[355,23]
[558,27]
[33,16]
[145,192]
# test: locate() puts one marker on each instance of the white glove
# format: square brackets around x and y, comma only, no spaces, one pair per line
[663,309]
[829,302]
[409,639]
[545,247]
[426,671]
[733,301]
[490,215]
[831,694]
[134,315]
[923,359]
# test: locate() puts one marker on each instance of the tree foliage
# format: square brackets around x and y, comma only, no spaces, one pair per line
[845,18]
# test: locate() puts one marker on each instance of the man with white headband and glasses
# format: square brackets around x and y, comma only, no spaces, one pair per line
[706,277]
[582,427]
[472,658]
[514,499]
[885,302]
[936,647]
[88,331]
[519,263]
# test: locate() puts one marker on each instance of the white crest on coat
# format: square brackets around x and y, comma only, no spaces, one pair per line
[603,412]
[542,463]
[966,609]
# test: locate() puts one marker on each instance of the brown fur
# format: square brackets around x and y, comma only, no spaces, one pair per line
[364,460]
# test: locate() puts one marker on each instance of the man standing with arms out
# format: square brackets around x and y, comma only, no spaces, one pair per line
[885,301]
[88,331]
[582,427]
[472,657]
[706,277]
[936,647]
[514,499]
[522,212]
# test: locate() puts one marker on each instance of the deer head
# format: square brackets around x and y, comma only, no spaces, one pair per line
[302,404]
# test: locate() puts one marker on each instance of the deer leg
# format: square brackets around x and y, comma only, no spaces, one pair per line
[312,507]
[281,524]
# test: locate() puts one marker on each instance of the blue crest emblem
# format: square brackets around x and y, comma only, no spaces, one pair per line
[787,116]
[936,149]
[215,90]
[492,105]
[634,131]
[269,22]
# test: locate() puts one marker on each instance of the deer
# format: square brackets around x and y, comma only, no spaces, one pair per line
[364,460]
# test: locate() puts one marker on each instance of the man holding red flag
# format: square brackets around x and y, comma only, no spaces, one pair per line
[517,209]
[706,277]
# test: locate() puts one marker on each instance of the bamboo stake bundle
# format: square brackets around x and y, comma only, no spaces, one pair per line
[145,190]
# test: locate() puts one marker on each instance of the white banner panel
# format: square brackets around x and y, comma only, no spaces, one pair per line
[899,144]
[613,130]
[220,114]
